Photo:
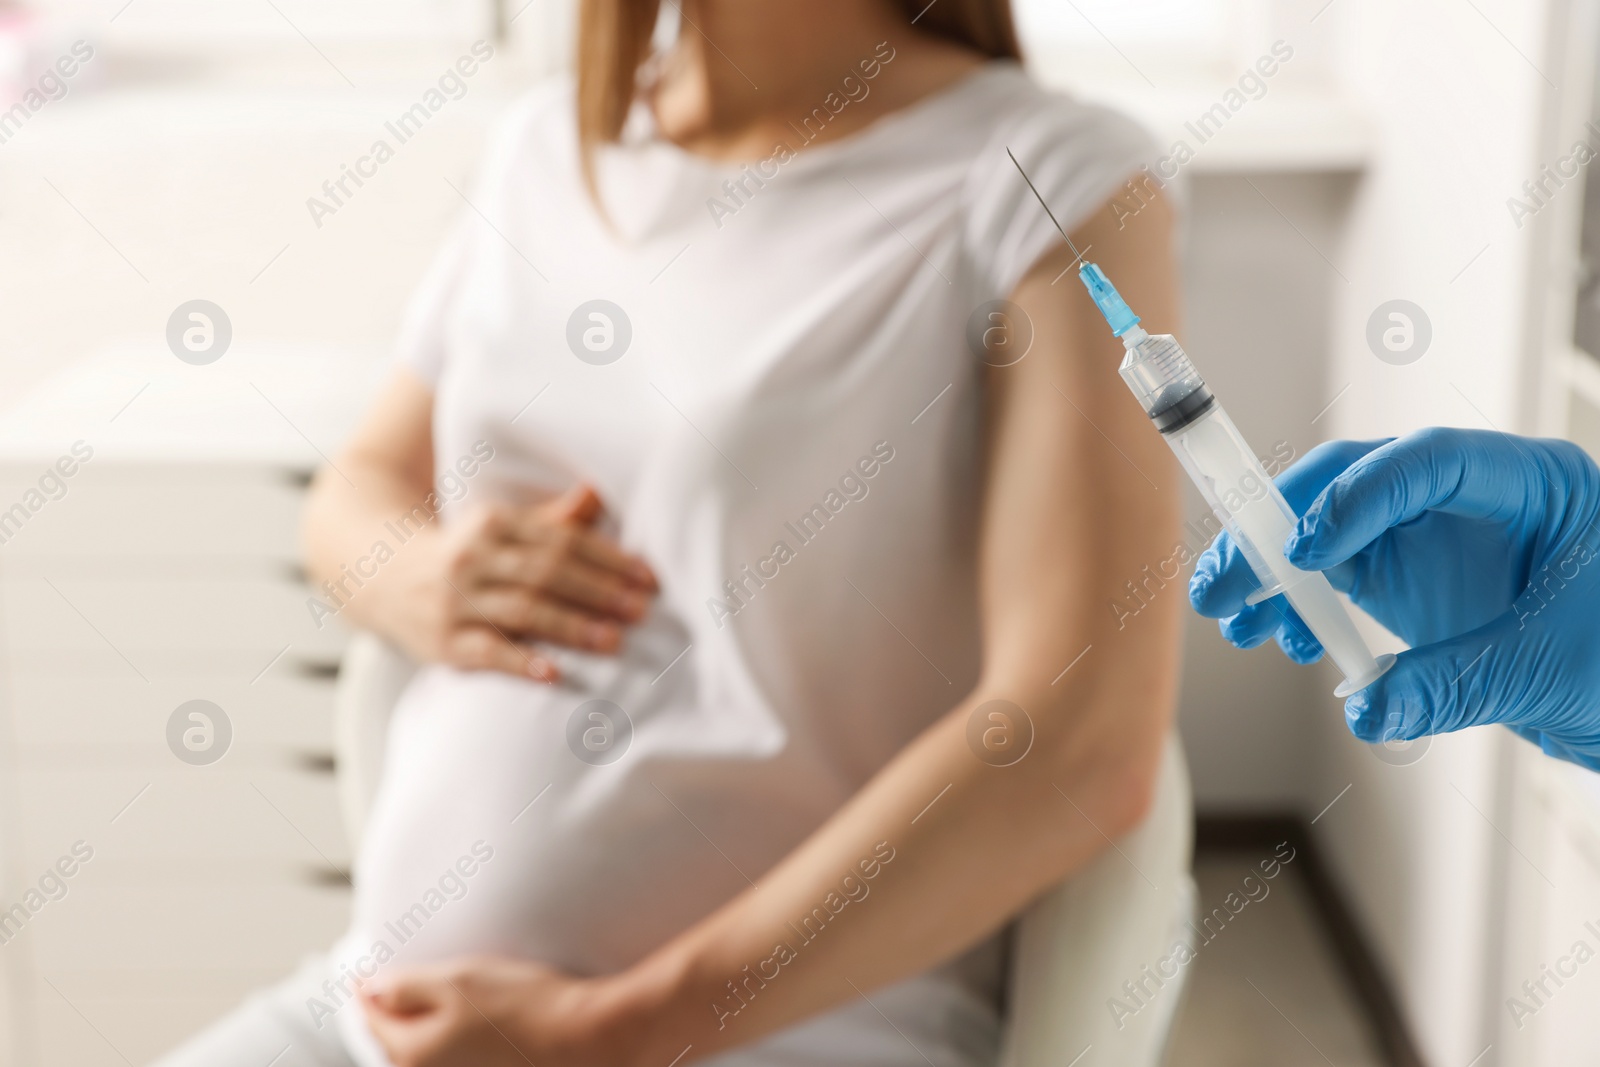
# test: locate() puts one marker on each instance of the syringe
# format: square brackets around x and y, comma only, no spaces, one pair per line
[1226,471]
[1231,479]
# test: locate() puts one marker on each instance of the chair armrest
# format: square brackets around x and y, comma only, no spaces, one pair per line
[372,676]
[1078,943]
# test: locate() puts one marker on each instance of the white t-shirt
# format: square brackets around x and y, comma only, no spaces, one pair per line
[791,438]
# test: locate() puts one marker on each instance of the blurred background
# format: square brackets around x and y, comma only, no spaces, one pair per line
[1384,161]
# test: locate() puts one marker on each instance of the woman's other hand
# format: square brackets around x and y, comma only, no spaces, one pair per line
[476,592]
[503,575]
[492,1012]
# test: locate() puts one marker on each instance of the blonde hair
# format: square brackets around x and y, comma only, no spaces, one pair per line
[614,40]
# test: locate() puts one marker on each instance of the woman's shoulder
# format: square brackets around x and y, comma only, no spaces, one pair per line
[1043,122]
[1076,153]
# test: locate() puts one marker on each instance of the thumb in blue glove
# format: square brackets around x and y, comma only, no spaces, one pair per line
[1475,548]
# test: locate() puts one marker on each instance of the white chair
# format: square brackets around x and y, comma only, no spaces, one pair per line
[1074,947]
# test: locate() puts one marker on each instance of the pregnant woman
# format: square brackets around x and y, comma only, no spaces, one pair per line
[748,567]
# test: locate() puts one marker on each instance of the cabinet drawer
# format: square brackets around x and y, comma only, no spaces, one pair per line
[180,665]
[138,820]
[123,509]
[60,718]
[179,927]
[135,613]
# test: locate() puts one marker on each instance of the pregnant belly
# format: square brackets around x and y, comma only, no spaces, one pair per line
[497,829]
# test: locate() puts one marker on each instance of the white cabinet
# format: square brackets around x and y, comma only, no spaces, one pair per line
[166,573]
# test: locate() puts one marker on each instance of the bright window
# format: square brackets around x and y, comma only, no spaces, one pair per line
[272,20]
[1127,24]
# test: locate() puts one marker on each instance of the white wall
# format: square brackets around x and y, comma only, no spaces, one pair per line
[1457,110]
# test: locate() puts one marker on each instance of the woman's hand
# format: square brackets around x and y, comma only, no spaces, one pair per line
[475,592]
[482,587]
[491,1012]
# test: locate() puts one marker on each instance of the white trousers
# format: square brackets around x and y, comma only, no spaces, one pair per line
[273,1026]
[958,1028]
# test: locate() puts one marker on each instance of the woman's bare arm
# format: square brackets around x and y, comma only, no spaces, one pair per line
[383,473]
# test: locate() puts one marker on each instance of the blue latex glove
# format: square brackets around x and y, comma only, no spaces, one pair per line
[1478,548]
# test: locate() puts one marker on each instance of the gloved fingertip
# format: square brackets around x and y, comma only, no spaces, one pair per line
[1358,716]
[1199,586]
[1238,634]
[1393,708]
[1296,550]
[1302,652]
[1357,705]
[1301,548]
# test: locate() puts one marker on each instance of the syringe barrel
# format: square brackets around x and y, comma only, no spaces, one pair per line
[1259,520]
[1164,380]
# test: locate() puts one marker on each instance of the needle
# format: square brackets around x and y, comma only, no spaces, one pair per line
[1044,205]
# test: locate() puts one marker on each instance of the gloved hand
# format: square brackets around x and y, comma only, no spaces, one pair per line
[1478,549]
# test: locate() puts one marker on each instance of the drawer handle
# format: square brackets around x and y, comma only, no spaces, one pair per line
[315,762]
[322,670]
[327,877]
